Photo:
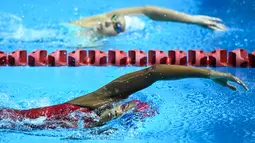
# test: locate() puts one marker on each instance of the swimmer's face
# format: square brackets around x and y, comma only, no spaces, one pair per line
[112,26]
[127,106]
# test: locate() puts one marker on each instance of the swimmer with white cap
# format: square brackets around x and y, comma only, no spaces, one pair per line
[115,22]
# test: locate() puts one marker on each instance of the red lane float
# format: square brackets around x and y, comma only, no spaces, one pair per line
[57,58]
[137,58]
[80,57]
[252,59]
[77,58]
[217,58]
[158,57]
[117,58]
[17,58]
[97,58]
[177,57]
[238,58]
[3,58]
[197,58]
[37,58]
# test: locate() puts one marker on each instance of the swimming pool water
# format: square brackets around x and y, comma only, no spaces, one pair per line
[200,113]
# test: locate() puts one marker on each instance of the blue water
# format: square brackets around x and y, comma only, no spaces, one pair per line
[188,113]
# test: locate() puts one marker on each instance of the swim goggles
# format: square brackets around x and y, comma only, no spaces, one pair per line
[116,25]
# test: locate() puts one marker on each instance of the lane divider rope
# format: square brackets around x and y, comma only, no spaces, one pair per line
[80,57]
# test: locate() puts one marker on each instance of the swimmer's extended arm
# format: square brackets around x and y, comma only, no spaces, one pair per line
[127,84]
[158,14]
[163,14]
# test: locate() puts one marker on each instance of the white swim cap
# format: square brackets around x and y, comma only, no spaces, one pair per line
[133,23]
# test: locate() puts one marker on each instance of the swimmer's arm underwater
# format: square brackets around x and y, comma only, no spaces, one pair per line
[130,83]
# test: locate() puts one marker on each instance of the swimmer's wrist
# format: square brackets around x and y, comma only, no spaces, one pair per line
[196,20]
[192,19]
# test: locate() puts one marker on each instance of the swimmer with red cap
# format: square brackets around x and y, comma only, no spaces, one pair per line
[103,105]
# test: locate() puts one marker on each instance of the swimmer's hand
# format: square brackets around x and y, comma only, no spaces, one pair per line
[223,78]
[210,22]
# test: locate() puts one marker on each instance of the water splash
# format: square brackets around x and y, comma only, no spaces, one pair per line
[13,31]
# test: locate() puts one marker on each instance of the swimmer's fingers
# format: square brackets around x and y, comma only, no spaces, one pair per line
[214,28]
[223,78]
[210,22]
[231,86]
[215,19]
[220,81]
[237,80]
[223,82]
[217,26]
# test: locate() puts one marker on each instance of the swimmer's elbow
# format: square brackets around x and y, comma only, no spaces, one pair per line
[147,9]
[154,12]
